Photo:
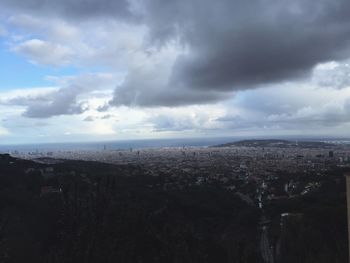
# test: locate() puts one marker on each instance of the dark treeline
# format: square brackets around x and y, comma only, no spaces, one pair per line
[103,215]
[93,212]
[315,230]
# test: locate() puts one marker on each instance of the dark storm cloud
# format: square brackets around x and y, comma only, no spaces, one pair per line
[147,89]
[69,99]
[63,102]
[235,45]
[155,96]
[241,44]
[73,9]
[56,103]
[230,44]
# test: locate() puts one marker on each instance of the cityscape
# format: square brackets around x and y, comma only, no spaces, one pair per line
[174,131]
[271,177]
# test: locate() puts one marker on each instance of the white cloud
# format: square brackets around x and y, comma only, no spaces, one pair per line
[3,131]
[54,29]
[299,109]
[90,43]
[7,96]
[332,74]
[73,95]
[44,52]
[310,111]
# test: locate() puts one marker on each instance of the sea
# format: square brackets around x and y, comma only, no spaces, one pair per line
[146,143]
[117,145]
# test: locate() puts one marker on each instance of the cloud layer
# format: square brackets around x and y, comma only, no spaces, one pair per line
[229,46]
[177,66]
[77,9]
[220,47]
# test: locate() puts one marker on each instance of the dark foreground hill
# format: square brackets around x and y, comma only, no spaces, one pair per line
[92,212]
[74,211]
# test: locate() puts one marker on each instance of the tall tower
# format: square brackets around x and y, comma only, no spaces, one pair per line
[347,175]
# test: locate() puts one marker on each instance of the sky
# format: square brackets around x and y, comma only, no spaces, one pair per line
[98,70]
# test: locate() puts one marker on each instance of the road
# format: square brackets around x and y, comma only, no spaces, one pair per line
[266,251]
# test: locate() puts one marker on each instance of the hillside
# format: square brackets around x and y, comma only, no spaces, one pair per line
[76,211]
[276,143]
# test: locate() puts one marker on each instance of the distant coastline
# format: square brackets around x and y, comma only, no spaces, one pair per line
[160,143]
